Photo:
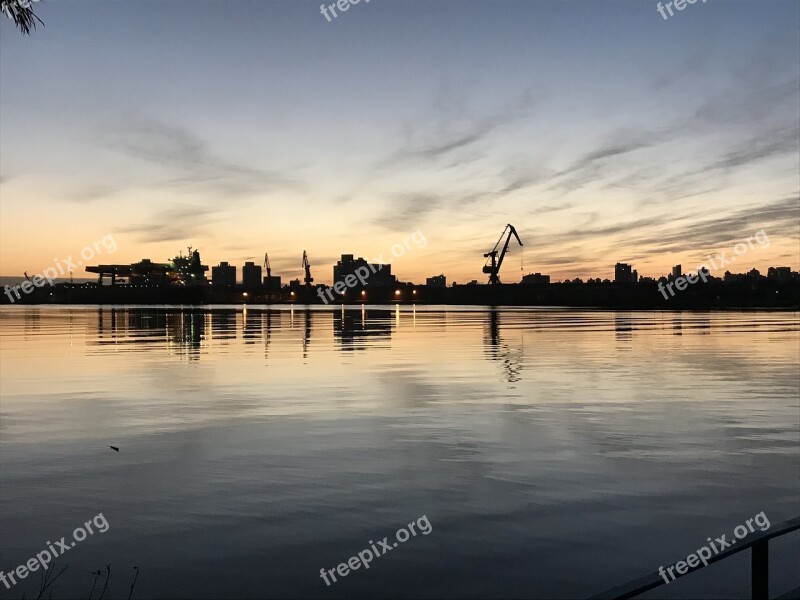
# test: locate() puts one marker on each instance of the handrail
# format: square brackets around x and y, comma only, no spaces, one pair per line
[759,565]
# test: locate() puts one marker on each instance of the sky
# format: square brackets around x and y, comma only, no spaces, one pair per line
[603,132]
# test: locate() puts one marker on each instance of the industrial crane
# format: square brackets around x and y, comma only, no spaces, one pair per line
[494,268]
[307,266]
[268,283]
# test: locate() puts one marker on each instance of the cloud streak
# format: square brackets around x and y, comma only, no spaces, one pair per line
[192,164]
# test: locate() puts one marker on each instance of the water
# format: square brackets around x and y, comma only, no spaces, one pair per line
[555,453]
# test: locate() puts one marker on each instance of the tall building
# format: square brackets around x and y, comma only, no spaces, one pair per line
[374,275]
[676,271]
[622,273]
[223,275]
[251,275]
[437,281]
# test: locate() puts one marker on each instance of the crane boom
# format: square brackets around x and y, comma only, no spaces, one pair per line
[493,269]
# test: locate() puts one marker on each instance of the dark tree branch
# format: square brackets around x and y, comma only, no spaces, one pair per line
[108,576]
[48,582]
[134,583]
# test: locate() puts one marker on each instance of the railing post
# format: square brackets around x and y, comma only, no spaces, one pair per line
[759,571]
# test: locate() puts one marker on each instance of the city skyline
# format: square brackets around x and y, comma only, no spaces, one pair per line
[341,137]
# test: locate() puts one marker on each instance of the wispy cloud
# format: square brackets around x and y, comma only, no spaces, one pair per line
[91,193]
[598,164]
[183,162]
[180,222]
[774,143]
[442,133]
[190,162]
[694,232]
[407,210]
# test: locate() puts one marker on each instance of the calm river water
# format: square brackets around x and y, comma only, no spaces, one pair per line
[555,453]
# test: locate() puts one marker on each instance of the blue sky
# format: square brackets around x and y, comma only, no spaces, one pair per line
[601,131]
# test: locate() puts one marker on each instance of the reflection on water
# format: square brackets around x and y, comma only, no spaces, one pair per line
[555,452]
[361,329]
[498,350]
[149,326]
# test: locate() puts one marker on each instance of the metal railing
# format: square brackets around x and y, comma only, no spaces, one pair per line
[759,567]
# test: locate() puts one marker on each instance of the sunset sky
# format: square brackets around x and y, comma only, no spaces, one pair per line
[601,131]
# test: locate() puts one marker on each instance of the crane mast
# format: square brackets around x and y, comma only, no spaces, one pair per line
[307,266]
[493,269]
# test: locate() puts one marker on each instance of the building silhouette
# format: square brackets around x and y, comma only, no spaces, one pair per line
[437,281]
[272,283]
[623,273]
[371,274]
[535,279]
[782,274]
[223,275]
[251,275]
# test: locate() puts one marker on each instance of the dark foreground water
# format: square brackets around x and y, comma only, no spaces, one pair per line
[554,453]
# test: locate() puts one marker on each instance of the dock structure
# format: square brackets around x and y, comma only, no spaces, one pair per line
[144,272]
[187,271]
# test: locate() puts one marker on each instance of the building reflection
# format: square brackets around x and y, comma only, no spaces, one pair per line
[251,325]
[702,323]
[223,323]
[186,331]
[677,324]
[182,330]
[623,326]
[268,323]
[359,329]
[691,323]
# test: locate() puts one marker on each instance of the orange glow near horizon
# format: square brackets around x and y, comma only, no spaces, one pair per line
[17,256]
[455,250]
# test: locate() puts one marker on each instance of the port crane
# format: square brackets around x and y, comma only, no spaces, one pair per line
[494,268]
[268,283]
[307,266]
